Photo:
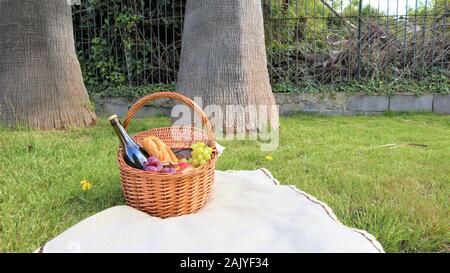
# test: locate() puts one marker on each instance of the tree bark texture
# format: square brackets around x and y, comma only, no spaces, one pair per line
[223,56]
[41,85]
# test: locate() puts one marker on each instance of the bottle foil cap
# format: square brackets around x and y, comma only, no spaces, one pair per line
[113,117]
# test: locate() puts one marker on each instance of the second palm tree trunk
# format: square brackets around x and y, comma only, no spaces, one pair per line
[223,59]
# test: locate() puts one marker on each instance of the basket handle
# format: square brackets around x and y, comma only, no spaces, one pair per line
[176,96]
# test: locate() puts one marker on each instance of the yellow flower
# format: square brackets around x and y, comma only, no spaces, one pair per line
[85,185]
[83,182]
[269,158]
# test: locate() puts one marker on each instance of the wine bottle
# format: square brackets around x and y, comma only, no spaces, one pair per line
[133,154]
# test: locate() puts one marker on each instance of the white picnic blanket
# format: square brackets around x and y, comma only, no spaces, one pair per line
[248,212]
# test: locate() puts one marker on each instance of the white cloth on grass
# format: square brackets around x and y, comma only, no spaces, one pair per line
[248,212]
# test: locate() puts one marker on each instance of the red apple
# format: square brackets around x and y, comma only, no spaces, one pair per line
[183,166]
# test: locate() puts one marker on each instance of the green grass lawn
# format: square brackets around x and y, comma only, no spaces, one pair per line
[399,194]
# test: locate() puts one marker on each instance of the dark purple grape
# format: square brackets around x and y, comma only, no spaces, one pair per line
[169,170]
[151,169]
[155,163]
[152,159]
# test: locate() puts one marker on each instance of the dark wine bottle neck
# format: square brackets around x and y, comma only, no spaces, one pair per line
[122,134]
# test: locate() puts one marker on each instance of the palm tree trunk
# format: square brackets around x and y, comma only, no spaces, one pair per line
[41,85]
[223,57]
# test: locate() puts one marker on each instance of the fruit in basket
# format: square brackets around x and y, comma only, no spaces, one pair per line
[153,164]
[201,153]
[151,169]
[156,147]
[169,170]
[183,166]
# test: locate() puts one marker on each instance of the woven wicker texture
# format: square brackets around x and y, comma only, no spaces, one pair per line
[166,195]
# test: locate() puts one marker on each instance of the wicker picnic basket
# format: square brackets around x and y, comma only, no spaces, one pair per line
[166,195]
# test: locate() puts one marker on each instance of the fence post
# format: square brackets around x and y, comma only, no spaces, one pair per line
[359,38]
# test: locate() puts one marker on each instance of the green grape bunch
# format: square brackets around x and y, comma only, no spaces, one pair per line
[200,154]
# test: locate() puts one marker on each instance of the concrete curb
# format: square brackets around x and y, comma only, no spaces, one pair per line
[323,103]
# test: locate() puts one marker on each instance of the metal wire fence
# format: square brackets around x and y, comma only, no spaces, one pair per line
[309,42]
[335,42]
[129,42]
